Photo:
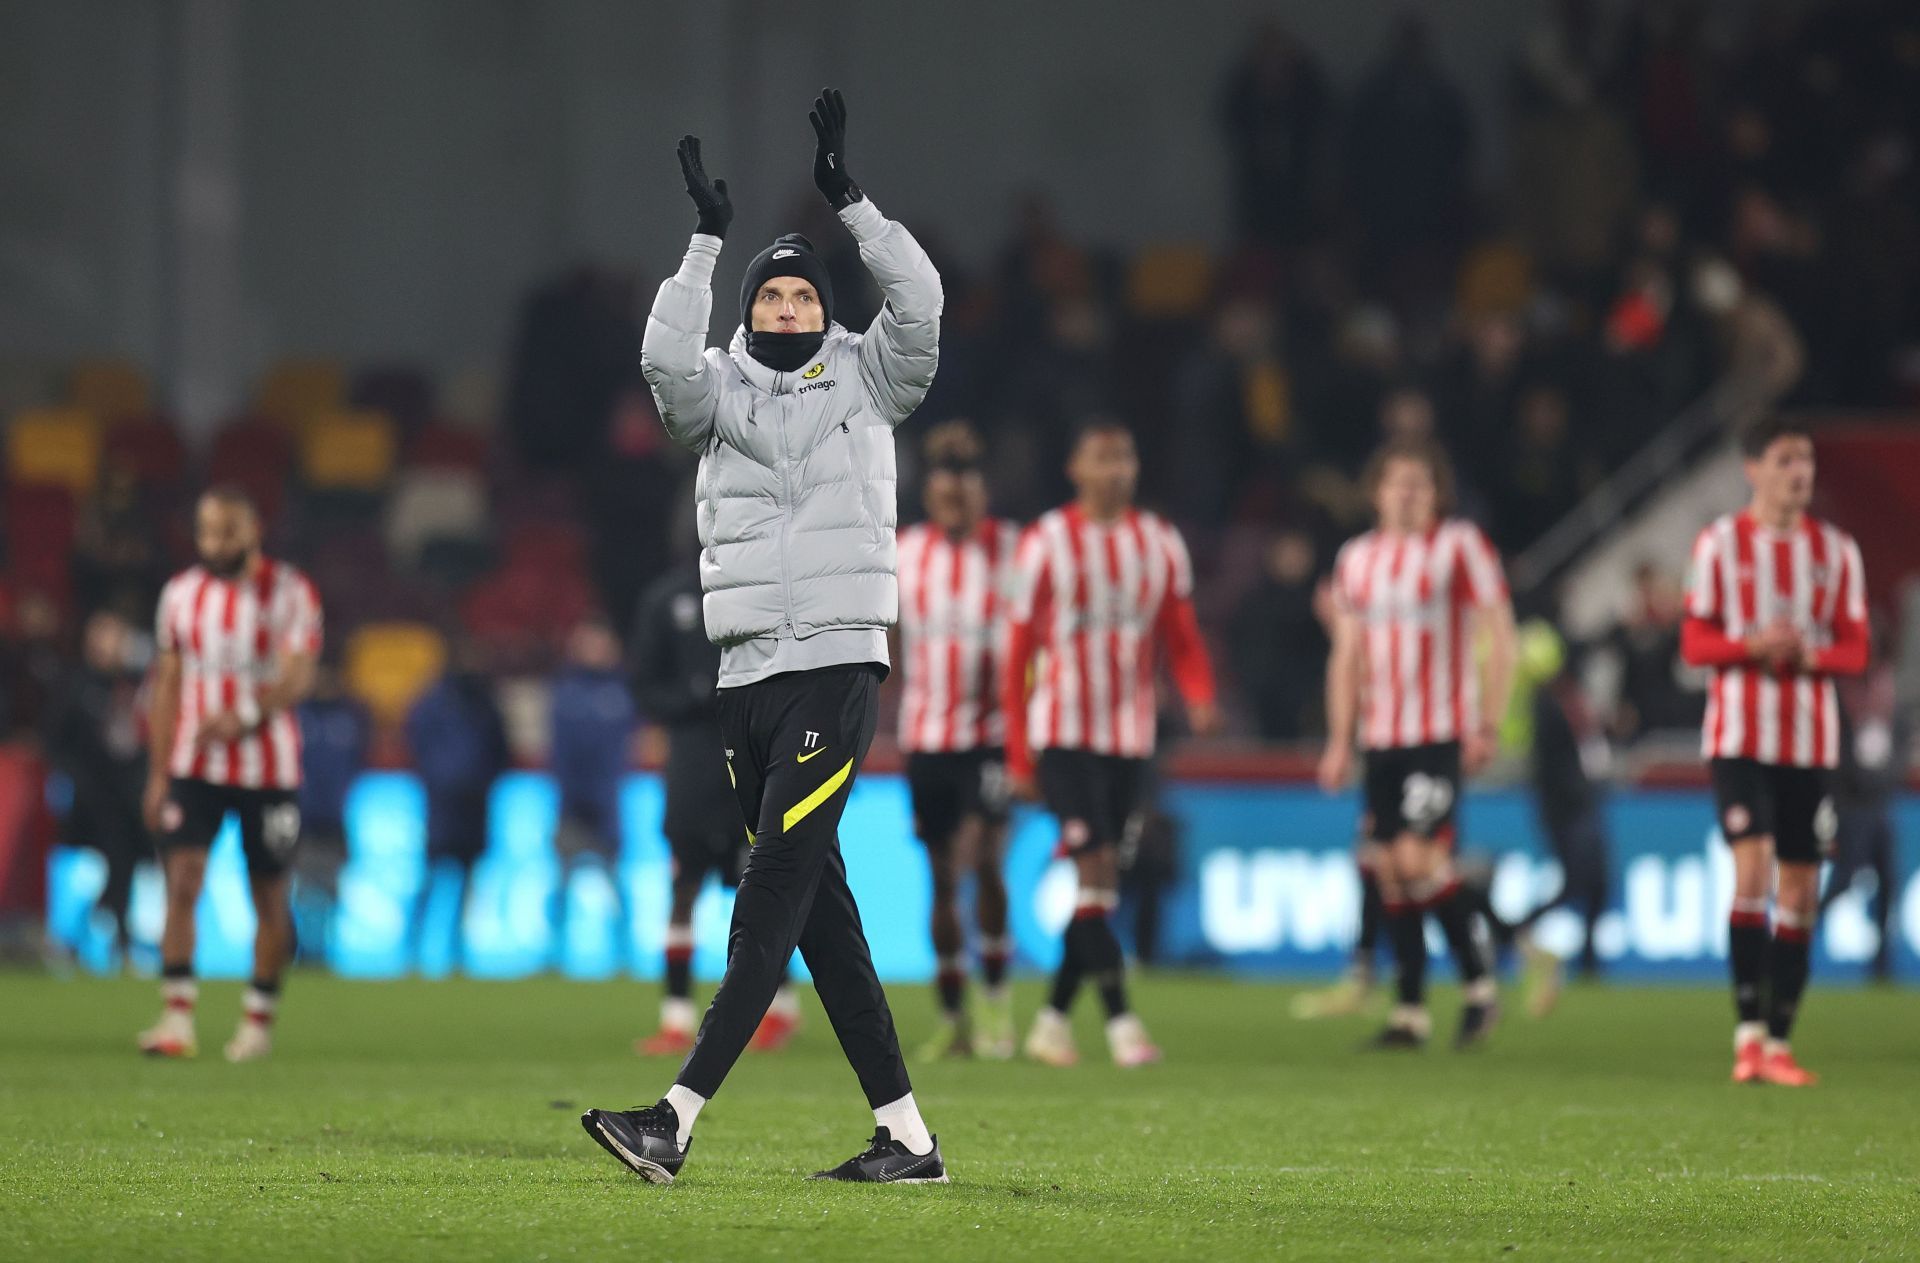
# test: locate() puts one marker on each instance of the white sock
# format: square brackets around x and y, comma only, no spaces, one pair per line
[1481,991]
[677,1014]
[686,1103]
[1774,1047]
[786,1001]
[902,1120]
[259,1006]
[1748,1033]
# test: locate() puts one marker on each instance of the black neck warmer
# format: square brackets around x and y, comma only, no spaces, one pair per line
[784,352]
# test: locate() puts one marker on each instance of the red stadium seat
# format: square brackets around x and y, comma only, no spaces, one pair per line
[152,446]
[439,445]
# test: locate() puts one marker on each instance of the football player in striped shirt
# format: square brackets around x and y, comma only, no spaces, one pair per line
[1104,589]
[1776,607]
[956,584]
[1412,597]
[238,636]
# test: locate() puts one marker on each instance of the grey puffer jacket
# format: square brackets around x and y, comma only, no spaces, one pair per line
[796,483]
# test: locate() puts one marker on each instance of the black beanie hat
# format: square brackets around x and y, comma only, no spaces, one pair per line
[791,255]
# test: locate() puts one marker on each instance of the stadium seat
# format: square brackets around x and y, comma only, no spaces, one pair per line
[388,665]
[1169,282]
[440,445]
[294,392]
[255,455]
[404,393]
[348,451]
[429,504]
[111,390]
[151,445]
[40,521]
[55,446]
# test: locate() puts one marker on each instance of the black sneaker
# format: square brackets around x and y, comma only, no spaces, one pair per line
[646,1139]
[887,1161]
[1397,1039]
[1476,1023]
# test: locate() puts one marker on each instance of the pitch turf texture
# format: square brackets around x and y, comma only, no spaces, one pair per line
[439,1120]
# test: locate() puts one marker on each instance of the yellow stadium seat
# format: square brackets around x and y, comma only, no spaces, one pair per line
[56,446]
[1496,276]
[389,665]
[1169,282]
[112,390]
[348,451]
[294,392]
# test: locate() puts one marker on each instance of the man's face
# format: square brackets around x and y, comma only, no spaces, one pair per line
[227,535]
[593,646]
[787,304]
[1406,497]
[956,498]
[1105,468]
[1782,476]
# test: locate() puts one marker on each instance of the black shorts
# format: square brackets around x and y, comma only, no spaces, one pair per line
[717,848]
[269,822]
[584,830]
[1413,789]
[1792,805]
[947,788]
[1093,795]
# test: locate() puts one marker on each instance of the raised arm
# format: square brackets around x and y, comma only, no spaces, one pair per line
[901,348]
[673,351]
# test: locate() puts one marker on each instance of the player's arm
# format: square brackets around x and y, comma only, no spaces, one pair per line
[673,349]
[1704,640]
[1032,599]
[1493,625]
[292,682]
[1848,651]
[1485,589]
[901,348]
[1343,699]
[1187,658]
[163,715]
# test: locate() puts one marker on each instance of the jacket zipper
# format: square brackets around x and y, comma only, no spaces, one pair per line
[786,516]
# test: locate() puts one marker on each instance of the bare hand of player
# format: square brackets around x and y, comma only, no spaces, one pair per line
[1336,765]
[1777,645]
[220,726]
[153,803]
[1203,718]
[1478,748]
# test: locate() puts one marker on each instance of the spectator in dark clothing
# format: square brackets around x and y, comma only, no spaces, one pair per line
[32,661]
[1569,753]
[1537,480]
[1273,113]
[576,350]
[116,560]
[1409,148]
[1876,748]
[459,744]
[334,732]
[1233,405]
[93,738]
[1656,692]
[592,728]
[1277,644]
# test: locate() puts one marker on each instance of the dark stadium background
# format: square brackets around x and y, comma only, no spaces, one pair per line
[380,264]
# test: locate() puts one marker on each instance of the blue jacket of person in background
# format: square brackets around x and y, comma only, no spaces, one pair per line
[593,721]
[459,745]
[334,731]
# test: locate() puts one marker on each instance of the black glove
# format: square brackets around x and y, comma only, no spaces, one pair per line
[829,119]
[709,196]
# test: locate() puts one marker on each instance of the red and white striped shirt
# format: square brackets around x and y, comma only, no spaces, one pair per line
[230,635]
[1412,594]
[1096,602]
[955,597]
[1746,577]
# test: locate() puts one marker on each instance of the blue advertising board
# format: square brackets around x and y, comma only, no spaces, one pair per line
[1265,885]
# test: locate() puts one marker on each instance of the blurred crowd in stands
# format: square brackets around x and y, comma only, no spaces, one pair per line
[1686,192]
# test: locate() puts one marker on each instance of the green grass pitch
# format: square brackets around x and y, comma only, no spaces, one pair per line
[439,1120]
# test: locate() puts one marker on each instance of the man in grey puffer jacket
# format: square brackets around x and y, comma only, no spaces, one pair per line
[794,426]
